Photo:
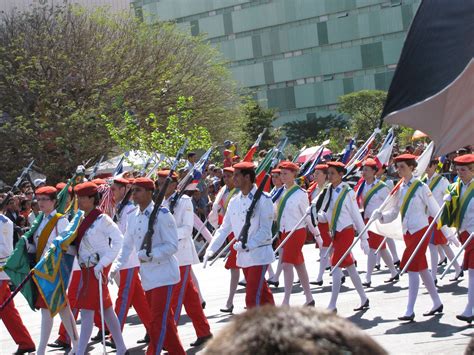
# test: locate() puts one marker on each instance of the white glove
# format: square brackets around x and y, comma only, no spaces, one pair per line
[377,214]
[209,254]
[447,198]
[239,247]
[364,245]
[453,239]
[30,248]
[114,276]
[143,256]
[319,240]
[98,271]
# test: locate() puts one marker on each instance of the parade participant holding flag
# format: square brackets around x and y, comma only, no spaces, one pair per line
[98,243]
[459,213]
[340,211]
[414,201]
[292,207]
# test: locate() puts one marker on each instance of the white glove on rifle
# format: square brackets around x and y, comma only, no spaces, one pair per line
[447,198]
[144,257]
[209,254]
[319,240]
[98,271]
[114,275]
[239,247]
[377,215]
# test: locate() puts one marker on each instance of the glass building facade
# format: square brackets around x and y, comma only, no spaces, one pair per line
[297,56]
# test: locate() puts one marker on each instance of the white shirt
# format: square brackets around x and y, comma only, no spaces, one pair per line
[467,223]
[96,242]
[133,260]
[260,233]
[163,269]
[184,217]
[61,225]
[295,208]
[218,206]
[440,188]
[376,200]
[6,242]
[349,215]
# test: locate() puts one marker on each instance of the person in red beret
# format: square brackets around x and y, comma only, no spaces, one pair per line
[371,194]
[339,209]
[228,154]
[291,208]
[257,253]
[414,203]
[216,217]
[159,270]
[98,243]
[99,181]
[461,200]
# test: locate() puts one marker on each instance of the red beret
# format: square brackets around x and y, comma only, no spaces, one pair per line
[165,173]
[144,182]
[62,185]
[229,169]
[245,165]
[235,157]
[404,157]
[227,152]
[46,190]
[370,162]
[121,180]
[99,182]
[465,159]
[87,188]
[321,167]
[276,171]
[336,164]
[288,165]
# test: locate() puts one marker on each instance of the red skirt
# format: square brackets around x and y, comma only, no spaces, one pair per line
[375,239]
[89,293]
[292,250]
[341,242]
[437,237]
[325,236]
[468,262]
[231,262]
[419,262]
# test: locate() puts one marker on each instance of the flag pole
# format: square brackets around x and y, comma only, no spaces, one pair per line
[17,289]
[466,243]
[102,323]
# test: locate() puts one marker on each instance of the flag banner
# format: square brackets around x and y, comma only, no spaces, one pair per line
[53,271]
[253,149]
[385,152]
[203,230]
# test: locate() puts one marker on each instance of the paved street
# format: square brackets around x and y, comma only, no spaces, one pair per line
[440,334]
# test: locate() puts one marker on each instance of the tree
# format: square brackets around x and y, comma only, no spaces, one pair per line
[255,120]
[364,107]
[66,72]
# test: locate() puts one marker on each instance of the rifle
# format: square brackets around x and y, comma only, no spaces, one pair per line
[18,181]
[96,167]
[147,241]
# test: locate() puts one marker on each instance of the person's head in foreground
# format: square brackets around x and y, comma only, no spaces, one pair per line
[291,330]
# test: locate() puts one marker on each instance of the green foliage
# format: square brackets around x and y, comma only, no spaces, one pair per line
[255,120]
[404,136]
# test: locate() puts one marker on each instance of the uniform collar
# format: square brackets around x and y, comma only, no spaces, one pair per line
[147,210]
[432,177]
[51,215]
[251,194]
[469,183]
[408,183]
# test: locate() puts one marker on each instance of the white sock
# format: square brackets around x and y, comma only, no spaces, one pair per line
[393,249]
[468,311]
[70,324]
[114,327]
[377,259]
[323,263]
[46,326]
[336,287]
[430,286]
[434,260]
[450,254]
[355,278]
[288,276]
[87,321]
[442,255]
[413,286]
[371,261]
[387,259]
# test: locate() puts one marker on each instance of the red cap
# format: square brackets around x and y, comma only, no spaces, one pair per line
[165,173]
[404,157]
[288,165]
[235,157]
[336,164]
[321,167]
[244,165]
[46,190]
[144,182]
[276,171]
[61,185]
[370,162]
[99,182]
[87,188]
[465,159]
[229,169]
[121,180]
[227,152]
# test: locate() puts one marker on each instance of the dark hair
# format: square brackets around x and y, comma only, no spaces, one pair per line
[97,198]
[412,163]
[339,169]
[433,162]
[191,154]
[249,172]
[291,330]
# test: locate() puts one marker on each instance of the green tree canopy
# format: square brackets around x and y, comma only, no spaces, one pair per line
[62,70]
[255,120]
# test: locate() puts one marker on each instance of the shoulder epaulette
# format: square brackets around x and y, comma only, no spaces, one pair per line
[164,209]
[3,219]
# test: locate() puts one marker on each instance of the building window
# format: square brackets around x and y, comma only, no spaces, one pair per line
[288,54]
[300,82]
[309,80]
[297,53]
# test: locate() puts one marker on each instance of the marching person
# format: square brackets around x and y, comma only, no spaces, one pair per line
[51,225]
[9,315]
[98,242]
[414,202]
[185,292]
[159,270]
[216,216]
[340,211]
[255,256]
[291,208]
[370,195]
[438,185]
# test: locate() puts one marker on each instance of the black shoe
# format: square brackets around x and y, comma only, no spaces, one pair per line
[201,340]
[364,306]
[443,262]
[58,344]
[296,282]
[111,343]
[366,284]
[328,268]
[273,283]
[393,279]
[397,264]
[317,283]
[434,311]
[377,267]
[468,319]
[25,351]
[458,276]
[145,340]
[343,280]
[203,304]
[435,282]
[227,310]
[242,283]
[98,336]
[310,304]
[409,318]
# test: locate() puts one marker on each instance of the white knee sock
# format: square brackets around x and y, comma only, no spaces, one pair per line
[70,324]
[355,278]
[434,260]
[430,286]
[46,326]
[323,263]
[468,311]
[393,249]
[377,259]
[450,254]
[336,287]
[442,255]
[371,260]
[304,279]
[87,321]
[413,286]
[387,259]
[288,277]
[113,324]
